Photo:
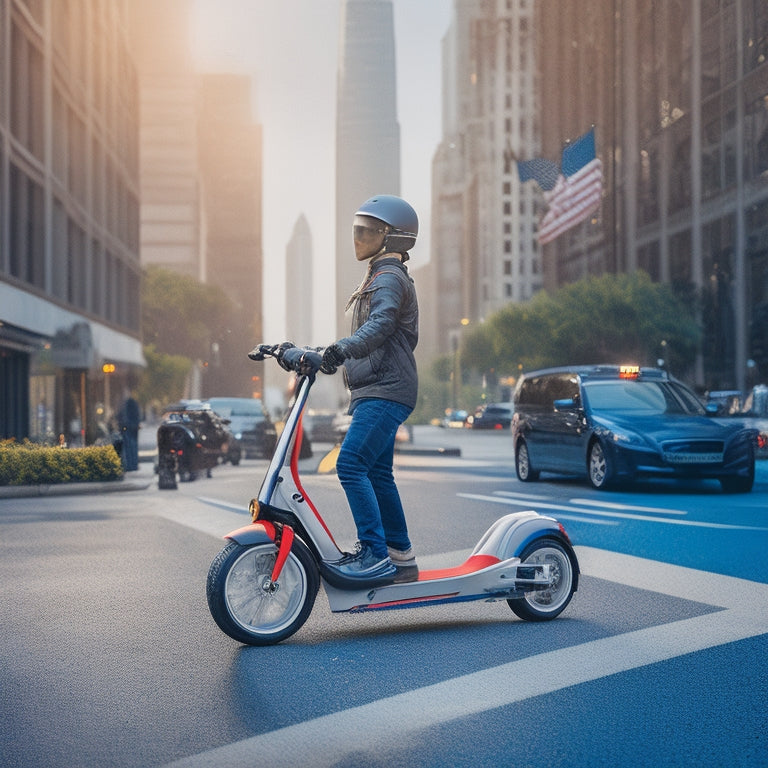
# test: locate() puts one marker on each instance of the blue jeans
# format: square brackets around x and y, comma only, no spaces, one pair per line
[364,467]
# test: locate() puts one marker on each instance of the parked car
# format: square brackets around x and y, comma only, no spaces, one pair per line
[614,423]
[492,416]
[319,426]
[249,422]
[191,439]
[454,419]
[754,413]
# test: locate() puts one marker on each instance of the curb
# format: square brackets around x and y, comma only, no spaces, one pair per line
[71,489]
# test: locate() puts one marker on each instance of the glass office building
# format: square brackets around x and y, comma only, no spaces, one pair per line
[69,217]
[678,93]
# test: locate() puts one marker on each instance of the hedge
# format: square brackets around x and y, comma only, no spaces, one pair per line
[28,463]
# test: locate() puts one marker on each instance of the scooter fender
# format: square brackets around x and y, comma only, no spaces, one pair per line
[511,534]
[261,532]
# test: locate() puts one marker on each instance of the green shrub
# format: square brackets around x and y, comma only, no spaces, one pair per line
[27,463]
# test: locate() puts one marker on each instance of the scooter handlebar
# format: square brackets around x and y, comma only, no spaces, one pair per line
[302,360]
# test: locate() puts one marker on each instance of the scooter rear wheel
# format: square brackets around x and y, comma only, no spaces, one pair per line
[251,609]
[543,605]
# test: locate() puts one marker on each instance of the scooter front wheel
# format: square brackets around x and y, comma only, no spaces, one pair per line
[543,605]
[251,608]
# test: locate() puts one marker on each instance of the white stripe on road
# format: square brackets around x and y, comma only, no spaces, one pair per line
[502,498]
[328,740]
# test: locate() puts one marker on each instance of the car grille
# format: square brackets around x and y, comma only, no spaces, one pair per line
[693,451]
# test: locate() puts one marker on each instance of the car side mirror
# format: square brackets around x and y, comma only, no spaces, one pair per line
[711,409]
[567,404]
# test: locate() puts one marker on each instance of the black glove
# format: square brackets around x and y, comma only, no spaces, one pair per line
[279,353]
[310,363]
[333,357]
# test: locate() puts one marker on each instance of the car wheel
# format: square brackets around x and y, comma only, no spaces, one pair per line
[525,473]
[740,484]
[598,467]
[737,484]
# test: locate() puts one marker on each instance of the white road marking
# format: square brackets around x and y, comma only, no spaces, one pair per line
[502,498]
[328,740]
[632,507]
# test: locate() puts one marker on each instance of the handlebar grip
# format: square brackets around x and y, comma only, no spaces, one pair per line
[260,351]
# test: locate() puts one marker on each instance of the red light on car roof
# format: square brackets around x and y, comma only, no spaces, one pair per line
[629,371]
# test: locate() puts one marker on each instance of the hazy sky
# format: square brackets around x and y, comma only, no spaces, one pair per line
[290,47]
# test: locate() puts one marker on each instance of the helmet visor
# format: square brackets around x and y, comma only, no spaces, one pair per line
[368,234]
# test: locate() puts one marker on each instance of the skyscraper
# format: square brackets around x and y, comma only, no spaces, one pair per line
[298,285]
[367,130]
[483,220]
[171,220]
[677,92]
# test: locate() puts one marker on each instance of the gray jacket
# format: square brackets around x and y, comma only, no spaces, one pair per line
[385,330]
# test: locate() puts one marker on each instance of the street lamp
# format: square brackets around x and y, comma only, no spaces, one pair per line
[107,369]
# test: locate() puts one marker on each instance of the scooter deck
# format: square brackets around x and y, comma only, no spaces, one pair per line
[471,565]
[480,577]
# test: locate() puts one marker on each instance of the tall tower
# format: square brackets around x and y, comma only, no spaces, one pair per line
[171,223]
[367,131]
[298,285]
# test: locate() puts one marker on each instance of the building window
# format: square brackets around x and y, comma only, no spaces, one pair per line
[27,228]
[649,261]
[27,85]
[680,272]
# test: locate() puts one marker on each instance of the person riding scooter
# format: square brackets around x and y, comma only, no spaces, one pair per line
[380,372]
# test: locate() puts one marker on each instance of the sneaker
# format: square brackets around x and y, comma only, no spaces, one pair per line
[364,566]
[405,562]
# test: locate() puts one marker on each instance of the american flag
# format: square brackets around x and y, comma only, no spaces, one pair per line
[577,189]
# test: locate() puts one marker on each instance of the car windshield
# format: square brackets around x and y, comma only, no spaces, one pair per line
[641,398]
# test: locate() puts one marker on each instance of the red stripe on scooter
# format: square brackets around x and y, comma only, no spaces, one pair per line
[296,479]
[268,527]
[286,539]
[395,603]
[471,565]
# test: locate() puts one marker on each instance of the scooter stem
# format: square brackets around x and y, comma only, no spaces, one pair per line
[285,440]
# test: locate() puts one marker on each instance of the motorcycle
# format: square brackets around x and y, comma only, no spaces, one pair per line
[261,587]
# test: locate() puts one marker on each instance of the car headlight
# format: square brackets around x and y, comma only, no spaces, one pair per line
[627,438]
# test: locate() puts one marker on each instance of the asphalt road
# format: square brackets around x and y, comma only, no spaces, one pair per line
[110,657]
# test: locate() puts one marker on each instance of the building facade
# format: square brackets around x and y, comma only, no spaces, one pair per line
[201,186]
[69,218]
[172,224]
[483,240]
[678,93]
[230,173]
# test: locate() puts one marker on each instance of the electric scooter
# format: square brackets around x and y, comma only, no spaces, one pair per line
[262,586]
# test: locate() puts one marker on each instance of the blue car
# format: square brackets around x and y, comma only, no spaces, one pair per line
[617,423]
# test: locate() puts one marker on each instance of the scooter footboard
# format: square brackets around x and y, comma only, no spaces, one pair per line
[496,581]
[511,534]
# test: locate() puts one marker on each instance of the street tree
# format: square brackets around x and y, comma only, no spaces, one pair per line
[606,319]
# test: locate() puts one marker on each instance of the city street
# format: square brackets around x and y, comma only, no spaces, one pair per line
[110,656]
